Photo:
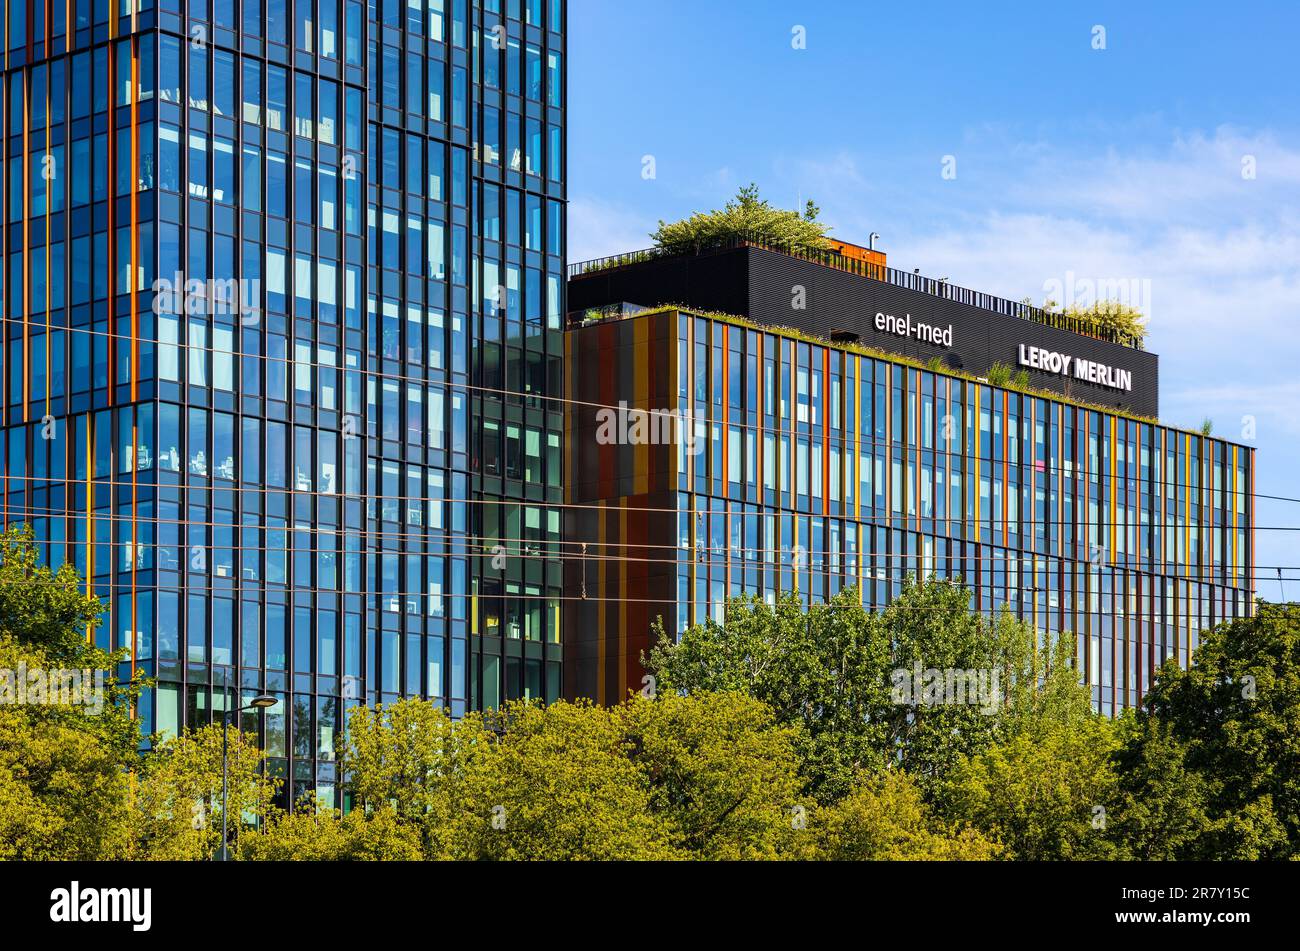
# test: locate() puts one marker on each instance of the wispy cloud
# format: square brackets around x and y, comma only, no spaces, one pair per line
[1221,253]
[1195,177]
[598,228]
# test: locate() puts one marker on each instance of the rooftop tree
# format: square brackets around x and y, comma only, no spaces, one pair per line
[1104,316]
[1112,315]
[745,216]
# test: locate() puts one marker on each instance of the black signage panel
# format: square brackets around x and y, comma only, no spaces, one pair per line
[784,291]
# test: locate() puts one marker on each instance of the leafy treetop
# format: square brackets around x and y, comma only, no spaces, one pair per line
[748,216]
[1105,315]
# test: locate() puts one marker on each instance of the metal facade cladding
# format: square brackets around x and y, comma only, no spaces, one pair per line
[768,287]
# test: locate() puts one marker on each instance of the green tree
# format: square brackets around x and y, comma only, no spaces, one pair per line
[711,776]
[1230,724]
[50,613]
[1041,686]
[174,795]
[748,216]
[62,765]
[62,785]
[46,609]
[722,773]
[1111,315]
[886,819]
[825,670]
[411,756]
[553,783]
[932,627]
[839,672]
[1160,811]
[1043,793]
[322,836]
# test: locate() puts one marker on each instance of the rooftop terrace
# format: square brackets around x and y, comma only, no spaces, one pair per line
[910,280]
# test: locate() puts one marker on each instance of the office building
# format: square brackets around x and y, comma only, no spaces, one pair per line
[824,420]
[282,320]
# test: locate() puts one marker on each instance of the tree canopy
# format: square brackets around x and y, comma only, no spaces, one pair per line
[746,216]
[922,731]
[835,671]
[1211,765]
[62,765]
[1111,315]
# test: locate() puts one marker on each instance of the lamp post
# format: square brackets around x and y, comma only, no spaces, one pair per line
[260,702]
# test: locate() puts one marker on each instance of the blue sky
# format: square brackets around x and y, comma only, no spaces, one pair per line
[1133,162]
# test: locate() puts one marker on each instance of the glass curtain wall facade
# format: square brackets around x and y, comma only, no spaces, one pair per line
[820,467]
[282,303]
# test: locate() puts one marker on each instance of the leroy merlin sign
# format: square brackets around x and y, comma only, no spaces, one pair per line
[1064,364]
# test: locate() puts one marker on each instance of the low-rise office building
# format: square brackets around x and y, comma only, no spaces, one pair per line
[744,420]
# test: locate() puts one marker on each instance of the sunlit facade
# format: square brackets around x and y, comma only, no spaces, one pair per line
[294,484]
[820,466]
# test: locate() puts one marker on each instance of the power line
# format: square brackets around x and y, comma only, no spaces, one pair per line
[270,588]
[869,561]
[291,362]
[73,482]
[291,527]
[488,548]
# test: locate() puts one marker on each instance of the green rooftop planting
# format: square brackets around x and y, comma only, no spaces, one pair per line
[746,216]
[1106,318]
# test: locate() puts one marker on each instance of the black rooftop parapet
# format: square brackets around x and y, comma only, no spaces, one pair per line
[787,290]
[909,280]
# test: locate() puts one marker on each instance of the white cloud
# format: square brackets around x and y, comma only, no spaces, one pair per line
[1195,178]
[598,228]
[1274,408]
[1221,253]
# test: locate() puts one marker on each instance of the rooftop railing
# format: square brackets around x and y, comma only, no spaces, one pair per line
[615,311]
[876,272]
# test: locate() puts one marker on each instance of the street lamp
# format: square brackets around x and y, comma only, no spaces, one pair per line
[260,702]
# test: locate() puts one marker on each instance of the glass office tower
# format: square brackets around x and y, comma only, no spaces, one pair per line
[282,303]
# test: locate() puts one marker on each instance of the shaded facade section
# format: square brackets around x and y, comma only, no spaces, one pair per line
[619,531]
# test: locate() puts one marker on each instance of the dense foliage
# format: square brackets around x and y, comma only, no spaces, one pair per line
[830,670]
[62,786]
[921,732]
[745,216]
[1123,319]
[1210,767]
